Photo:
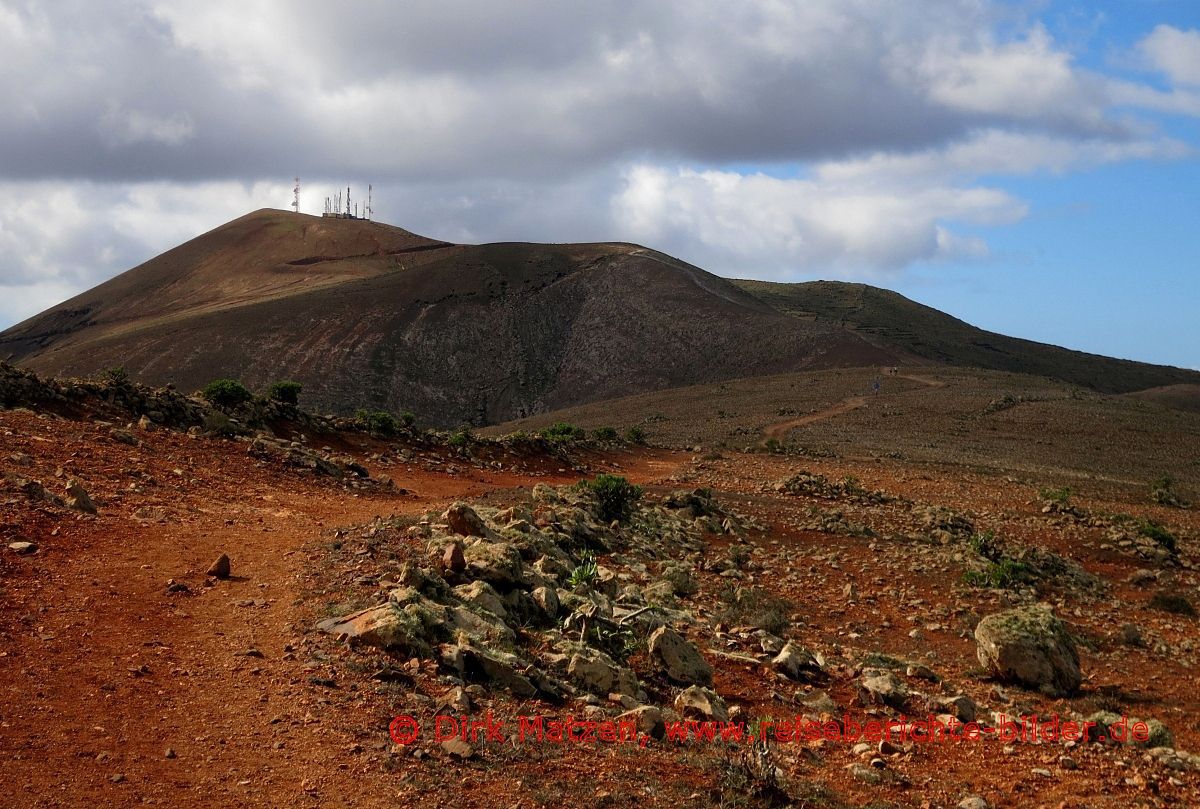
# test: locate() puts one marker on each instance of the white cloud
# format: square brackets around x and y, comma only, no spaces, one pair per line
[767,225]
[1175,52]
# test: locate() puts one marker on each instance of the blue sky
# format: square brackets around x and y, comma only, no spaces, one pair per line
[1028,166]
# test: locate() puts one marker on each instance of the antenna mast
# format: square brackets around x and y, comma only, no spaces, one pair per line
[296,196]
[369,210]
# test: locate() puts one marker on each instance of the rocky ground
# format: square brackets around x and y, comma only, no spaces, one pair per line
[374,578]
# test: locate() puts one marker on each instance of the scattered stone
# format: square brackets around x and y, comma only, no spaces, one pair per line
[453,560]
[463,520]
[77,498]
[974,802]
[882,688]
[678,658]
[697,701]
[797,663]
[23,547]
[457,748]
[176,586]
[220,568]
[648,719]
[1029,646]
[123,437]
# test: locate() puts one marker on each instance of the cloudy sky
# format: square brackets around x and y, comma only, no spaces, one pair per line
[1031,167]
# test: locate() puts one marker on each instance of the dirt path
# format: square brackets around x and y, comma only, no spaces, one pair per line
[117,691]
[780,430]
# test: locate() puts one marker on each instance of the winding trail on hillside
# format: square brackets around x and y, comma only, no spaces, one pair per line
[779,431]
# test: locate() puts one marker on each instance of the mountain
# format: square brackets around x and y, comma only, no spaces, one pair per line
[366,315]
[890,319]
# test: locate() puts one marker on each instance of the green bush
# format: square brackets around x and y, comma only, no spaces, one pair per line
[615,496]
[1152,530]
[999,575]
[462,437]
[115,376]
[606,434]
[285,391]
[1060,496]
[377,422]
[562,433]
[408,418]
[1162,491]
[226,393]
[586,572]
[635,435]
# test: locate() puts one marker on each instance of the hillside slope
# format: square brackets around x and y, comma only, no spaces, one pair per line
[367,315]
[892,319]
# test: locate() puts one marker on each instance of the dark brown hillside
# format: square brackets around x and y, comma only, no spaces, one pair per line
[366,315]
[894,320]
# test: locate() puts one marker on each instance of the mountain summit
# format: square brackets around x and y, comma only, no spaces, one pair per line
[369,315]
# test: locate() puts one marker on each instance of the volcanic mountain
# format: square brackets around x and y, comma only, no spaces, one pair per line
[367,315]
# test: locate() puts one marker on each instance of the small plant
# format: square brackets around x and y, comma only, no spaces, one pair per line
[115,376]
[218,424]
[1152,530]
[586,572]
[460,438]
[773,446]
[1162,491]
[377,422]
[605,434]
[1174,603]
[615,496]
[1059,496]
[226,393]
[408,418]
[285,392]
[635,435]
[1002,575]
[756,607]
[562,433]
[739,555]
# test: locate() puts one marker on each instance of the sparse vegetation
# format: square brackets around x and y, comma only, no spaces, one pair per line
[1154,531]
[607,435]
[285,392]
[562,433]
[1162,491]
[461,438]
[377,422]
[1174,603]
[755,607]
[226,393]
[635,435]
[1057,496]
[615,496]
[585,573]
[115,375]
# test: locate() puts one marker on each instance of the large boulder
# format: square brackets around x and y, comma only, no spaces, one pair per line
[463,520]
[701,703]
[1029,646]
[597,673]
[497,563]
[678,658]
[501,669]
[406,624]
[797,663]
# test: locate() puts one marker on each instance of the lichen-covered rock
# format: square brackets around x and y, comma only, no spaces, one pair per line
[464,520]
[497,563]
[797,663]
[597,673]
[407,628]
[483,595]
[879,687]
[490,666]
[678,658]
[703,703]
[1029,646]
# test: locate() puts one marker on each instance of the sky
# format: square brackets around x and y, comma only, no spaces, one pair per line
[1029,166]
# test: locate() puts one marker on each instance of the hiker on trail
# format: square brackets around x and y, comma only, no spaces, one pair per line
[875,387]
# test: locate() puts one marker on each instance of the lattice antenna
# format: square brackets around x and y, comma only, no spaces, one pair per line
[370,210]
[296,196]
[347,200]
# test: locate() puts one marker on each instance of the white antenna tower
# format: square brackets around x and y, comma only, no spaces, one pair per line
[296,196]
[347,201]
[369,210]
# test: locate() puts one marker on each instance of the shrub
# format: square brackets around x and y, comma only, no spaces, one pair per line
[217,423]
[635,435]
[462,437]
[1162,491]
[562,433]
[408,418]
[606,434]
[115,376]
[1152,530]
[1174,603]
[226,393]
[1060,496]
[756,607]
[615,496]
[1000,575]
[285,392]
[378,422]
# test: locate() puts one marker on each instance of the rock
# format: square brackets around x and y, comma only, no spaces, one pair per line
[797,663]
[23,547]
[499,668]
[497,563]
[1029,646]
[77,498]
[960,706]
[597,673]
[457,748]
[1143,578]
[220,568]
[463,520]
[648,719]
[176,586]
[697,701]
[547,599]
[1131,635]
[406,627]
[453,560]
[882,688]
[973,802]
[482,595]
[145,424]
[123,437]
[678,658]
